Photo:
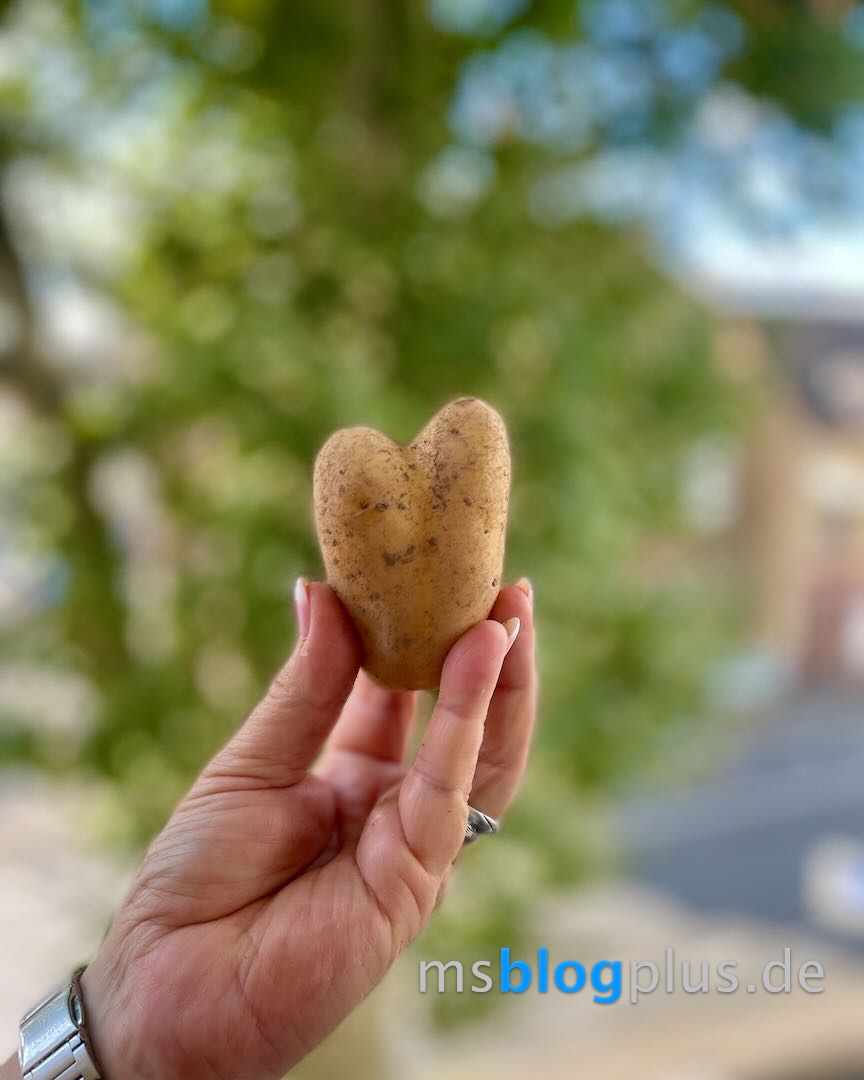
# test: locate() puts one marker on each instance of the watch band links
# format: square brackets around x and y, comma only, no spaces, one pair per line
[54,1043]
[71,1061]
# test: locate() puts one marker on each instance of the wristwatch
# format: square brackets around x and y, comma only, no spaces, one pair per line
[53,1041]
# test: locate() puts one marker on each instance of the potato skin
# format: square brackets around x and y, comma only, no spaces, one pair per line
[413,536]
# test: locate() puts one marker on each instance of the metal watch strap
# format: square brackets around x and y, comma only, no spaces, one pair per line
[54,1042]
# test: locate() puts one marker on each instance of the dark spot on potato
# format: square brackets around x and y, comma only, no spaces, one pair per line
[381,505]
[494,582]
[374,595]
[432,542]
[364,505]
[391,558]
[467,500]
[454,430]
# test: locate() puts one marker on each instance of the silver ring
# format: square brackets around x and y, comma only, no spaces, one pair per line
[479,824]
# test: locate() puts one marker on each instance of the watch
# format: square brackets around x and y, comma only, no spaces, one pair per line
[53,1040]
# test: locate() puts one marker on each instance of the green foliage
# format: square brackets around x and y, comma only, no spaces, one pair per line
[291,266]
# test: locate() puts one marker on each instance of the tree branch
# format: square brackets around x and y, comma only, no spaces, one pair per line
[94,613]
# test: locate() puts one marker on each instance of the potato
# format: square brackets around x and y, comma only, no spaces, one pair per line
[413,536]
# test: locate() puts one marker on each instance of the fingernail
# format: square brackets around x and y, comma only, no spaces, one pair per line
[512,628]
[301,607]
[525,585]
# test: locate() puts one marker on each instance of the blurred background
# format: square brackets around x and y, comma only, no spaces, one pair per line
[635,226]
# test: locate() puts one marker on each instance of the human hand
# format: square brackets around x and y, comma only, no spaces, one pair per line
[279,894]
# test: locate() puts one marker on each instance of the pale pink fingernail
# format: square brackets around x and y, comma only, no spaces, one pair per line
[301,607]
[512,628]
[526,587]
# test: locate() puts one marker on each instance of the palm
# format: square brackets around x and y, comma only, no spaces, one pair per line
[276,897]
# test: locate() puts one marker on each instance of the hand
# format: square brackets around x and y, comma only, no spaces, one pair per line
[278,895]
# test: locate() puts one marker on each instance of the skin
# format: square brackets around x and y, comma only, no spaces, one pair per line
[281,891]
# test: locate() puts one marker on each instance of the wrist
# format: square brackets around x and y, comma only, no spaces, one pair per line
[55,1034]
[105,1025]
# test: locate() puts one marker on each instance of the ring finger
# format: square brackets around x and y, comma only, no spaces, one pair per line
[510,720]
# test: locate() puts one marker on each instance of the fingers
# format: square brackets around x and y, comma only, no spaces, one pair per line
[410,840]
[284,732]
[363,757]
[512,710]
[375,722]
[434,796]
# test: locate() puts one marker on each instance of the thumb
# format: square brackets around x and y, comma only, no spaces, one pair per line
[284,732]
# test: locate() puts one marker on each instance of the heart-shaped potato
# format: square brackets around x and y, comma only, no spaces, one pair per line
[413,536]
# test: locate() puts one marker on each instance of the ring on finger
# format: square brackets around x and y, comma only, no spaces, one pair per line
[479,824]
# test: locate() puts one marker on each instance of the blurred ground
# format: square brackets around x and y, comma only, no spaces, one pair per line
[58,890]
[785,796]
[666,1037]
